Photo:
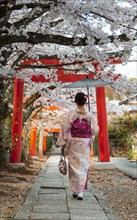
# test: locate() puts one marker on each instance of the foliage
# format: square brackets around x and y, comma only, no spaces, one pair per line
[121,133]
[111,94]
[49,142]
[129,154]
[132,155]
[37,140]
[95,146]
[5,114]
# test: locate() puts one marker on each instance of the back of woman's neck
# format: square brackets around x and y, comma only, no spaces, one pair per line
[81,107]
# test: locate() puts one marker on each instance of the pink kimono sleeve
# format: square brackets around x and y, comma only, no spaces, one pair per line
[64,133]
[94,124]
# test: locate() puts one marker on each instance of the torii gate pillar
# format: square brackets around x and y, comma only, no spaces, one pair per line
[104,154]
[33,136]
[16,132]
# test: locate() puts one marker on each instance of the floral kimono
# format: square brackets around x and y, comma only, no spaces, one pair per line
[78,145]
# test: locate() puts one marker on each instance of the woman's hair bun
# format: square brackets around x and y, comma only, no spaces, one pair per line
[80,98]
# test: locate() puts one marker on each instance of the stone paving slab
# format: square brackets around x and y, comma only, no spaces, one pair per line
[52,216]
[87,214]
[44,197]
[52,201]
[50,198]
[51,191]
[113,216]
[48,184]
[84,206]
[22,214]
[87,199]
[79,217]
[46,181]
[50,208]
[51,177]
[126,166]
[52,171]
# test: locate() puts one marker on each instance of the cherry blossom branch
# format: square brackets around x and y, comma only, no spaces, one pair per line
[31,16]
[36,38]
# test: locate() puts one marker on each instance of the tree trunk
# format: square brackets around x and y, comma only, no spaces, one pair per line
[4,153]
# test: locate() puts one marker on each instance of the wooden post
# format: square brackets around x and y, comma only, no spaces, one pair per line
[44,143]
[104,154]
[41,142]
[16,132]
[33,135]
[92,152]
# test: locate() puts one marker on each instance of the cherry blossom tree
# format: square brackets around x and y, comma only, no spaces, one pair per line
[90,26]
[68,30]
[81,30]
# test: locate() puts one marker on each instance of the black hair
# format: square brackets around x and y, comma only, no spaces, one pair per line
[80,98]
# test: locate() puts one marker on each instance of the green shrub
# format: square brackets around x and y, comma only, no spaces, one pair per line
[49,142]
[95,146]
[132,155]
[121,132]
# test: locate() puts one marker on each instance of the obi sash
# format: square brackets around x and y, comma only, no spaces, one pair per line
[81,128]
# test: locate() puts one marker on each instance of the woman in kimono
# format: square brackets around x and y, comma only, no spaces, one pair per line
[76,137]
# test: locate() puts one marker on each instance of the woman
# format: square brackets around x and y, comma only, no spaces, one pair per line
[76,137]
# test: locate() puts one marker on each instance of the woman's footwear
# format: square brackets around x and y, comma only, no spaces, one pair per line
[80,196]
[75,195]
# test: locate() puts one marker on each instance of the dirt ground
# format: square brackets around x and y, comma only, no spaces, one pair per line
[120,190]
[15,185]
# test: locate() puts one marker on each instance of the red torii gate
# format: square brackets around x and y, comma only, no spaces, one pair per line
[33,133]
[104,154]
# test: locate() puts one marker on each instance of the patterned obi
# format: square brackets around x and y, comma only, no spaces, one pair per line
[81,128]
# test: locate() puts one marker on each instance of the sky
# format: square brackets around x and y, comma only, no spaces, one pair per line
[129,69]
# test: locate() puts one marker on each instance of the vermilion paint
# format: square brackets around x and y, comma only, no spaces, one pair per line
[44,143]
[104,154]
[33,134]
[16,131]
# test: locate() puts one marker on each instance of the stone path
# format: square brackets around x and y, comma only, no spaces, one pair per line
[50,198]
[121,163]
[126,166]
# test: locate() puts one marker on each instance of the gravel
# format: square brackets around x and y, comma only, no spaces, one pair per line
[13,193]
[120,190]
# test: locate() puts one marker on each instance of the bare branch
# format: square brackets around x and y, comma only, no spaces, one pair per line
[36,38]
[121,24]
[55,23]
[109,19]
[31,16]
[31,100]
[30,5]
